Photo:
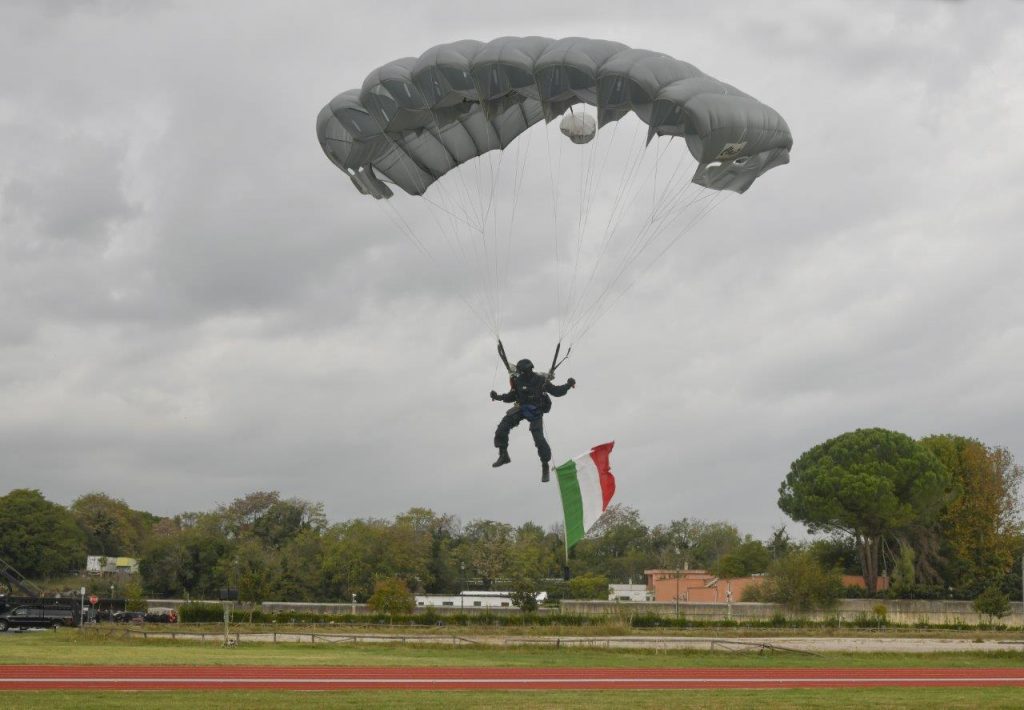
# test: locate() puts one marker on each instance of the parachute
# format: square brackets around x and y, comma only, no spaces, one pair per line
[457,105]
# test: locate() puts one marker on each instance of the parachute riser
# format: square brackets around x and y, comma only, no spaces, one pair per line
[504,358]
[555,362]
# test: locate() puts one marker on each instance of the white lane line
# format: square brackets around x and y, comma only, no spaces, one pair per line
[508,681]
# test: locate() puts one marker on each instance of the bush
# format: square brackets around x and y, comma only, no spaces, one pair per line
[588,586]
[800,583]
[198,612]
[992,603]
[391,596]
[753,593]
[524,595]
[557,590]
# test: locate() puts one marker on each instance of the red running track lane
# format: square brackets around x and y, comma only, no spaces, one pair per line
[345,678]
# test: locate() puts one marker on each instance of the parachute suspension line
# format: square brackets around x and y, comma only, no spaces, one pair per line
[476,235]
[586,170]
[618,211]
[460,250]
[554,223]
[600,171]
[593,192]
[519,177]
[713,203]
[455,235]
[421,186]
[488,286]
[490,316]
[649,232]
[672,180]
[572,301]
[490,244]
[398,220]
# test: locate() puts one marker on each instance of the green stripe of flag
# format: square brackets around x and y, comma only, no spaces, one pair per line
[572,502]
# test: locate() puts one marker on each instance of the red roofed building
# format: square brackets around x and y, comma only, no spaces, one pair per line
[697,585]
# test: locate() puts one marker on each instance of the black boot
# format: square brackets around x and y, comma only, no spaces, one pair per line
[544,472]
[502,458]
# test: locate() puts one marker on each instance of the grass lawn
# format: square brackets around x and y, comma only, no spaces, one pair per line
[527,700]
[68,646]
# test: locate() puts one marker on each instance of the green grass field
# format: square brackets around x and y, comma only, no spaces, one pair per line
[69,646]
[528,700]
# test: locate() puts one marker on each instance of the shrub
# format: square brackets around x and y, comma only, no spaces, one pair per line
[557,590]
[800,583]
[524,595]
[993,603]
[391,596]
[753,593]
[199,612]
[588,586]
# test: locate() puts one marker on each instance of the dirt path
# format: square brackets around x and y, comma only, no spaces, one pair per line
[808,644]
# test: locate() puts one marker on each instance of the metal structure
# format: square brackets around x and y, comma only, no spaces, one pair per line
[17,582]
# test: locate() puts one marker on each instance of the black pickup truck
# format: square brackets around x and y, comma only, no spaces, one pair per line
[37,617]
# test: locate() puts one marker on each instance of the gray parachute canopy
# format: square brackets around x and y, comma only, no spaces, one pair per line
[416,118]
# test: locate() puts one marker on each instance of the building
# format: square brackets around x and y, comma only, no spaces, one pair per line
[99,564]
[629,593]
[697,585]
[472,600]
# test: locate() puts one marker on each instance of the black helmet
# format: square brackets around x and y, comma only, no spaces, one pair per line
[524,365]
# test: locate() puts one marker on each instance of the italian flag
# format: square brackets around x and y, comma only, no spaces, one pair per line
[586,485]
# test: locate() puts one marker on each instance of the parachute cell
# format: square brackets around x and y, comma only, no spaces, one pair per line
[415,119]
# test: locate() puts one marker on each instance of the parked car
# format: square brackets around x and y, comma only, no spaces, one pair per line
[37,617]
[130,617]
[161,615]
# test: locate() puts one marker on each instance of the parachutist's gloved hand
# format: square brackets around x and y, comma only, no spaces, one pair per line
[571,382]
[494,395]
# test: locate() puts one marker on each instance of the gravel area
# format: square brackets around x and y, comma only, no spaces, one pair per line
[831,644]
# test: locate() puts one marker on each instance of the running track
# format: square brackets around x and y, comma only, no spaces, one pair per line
[346,678]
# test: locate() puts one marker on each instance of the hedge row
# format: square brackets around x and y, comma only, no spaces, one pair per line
[197,612]
[206,613]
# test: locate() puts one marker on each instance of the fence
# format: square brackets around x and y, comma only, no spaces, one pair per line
[898,611]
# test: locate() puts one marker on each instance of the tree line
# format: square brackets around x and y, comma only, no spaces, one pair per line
[940,517]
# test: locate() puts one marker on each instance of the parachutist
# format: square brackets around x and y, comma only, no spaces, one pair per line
[530,392]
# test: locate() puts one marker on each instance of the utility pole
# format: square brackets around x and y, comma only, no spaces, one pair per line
[677,583]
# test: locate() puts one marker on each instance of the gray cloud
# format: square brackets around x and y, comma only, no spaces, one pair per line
[195,304]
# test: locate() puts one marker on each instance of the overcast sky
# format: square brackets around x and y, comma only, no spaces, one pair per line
[195,304]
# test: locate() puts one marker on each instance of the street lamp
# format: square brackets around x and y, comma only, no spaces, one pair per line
[462,592]
[677,583]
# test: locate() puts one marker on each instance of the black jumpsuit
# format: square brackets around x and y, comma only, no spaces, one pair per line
[529,391]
